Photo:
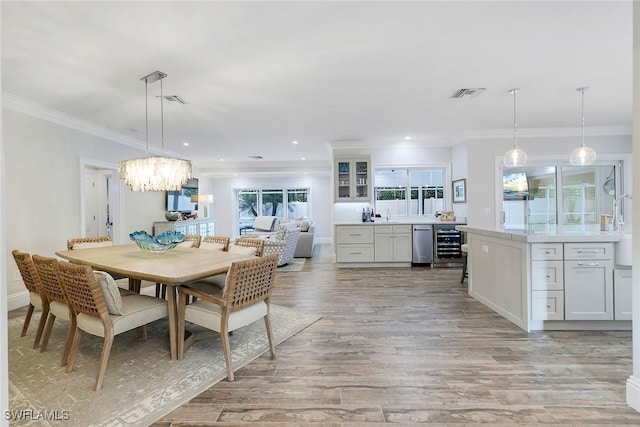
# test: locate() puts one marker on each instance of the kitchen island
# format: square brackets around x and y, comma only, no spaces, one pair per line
[549,280]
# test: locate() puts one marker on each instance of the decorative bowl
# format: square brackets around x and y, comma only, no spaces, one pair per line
[159,244]
[172,216]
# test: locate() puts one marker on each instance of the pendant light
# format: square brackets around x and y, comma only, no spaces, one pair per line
[583,155]
[515,157]
[158,173]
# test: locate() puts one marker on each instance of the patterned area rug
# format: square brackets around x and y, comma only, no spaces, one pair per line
[296,264]
[141,384]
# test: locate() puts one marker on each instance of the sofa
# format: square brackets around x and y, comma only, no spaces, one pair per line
[267,225]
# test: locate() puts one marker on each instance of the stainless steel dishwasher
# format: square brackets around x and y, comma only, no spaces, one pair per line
[422,244]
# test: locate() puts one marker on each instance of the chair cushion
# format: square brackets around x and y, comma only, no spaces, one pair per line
[212,284]
[110,291]
[207,314]
[35,299]
[137,310]
[60,310]
[264,223]
[212,246]
[248,250]
[89,245]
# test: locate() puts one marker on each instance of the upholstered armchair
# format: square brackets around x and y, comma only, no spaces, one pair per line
[283,242]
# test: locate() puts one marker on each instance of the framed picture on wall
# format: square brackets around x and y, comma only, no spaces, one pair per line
[460,191]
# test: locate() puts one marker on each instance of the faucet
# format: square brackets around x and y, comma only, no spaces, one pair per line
[616,221]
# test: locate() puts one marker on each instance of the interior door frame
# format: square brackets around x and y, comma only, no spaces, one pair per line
[116,205]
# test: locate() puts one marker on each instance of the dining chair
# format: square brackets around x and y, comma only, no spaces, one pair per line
[216,243]
[37,296]
[245,245]
[90,305]
[58,305]
[97,242]
[244,300]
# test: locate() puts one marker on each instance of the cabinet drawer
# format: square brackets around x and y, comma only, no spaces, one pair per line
[392,229]
[547,305]
[354,253]
[354,234]
[579,251]
[546,251]
[547,275]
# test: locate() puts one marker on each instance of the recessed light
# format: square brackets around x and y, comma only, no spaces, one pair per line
[221,160]
[186,144]
[294,142]
[303,158]
[407,138]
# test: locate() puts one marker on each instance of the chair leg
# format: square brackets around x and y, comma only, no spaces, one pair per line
[41,323]
[158,290]
[224,336]
[267,324]
[104,359]
[142,333]
[68,340]
[73,350]
[27,319]
[182,302]
[464,269]
[47,332]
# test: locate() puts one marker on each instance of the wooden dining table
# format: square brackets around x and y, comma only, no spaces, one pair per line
[172,268]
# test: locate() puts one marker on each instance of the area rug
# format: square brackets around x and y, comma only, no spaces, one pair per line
[141,384]
[295,264]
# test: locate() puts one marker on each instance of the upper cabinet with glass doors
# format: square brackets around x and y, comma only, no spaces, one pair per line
[352,180]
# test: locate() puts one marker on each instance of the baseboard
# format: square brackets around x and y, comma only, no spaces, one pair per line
[633,392]
[17,300]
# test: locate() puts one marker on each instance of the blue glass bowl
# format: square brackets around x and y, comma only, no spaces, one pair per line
[159,244]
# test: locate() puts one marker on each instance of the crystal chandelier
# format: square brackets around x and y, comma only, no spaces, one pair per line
[155,173]
[583,155]
[515,157]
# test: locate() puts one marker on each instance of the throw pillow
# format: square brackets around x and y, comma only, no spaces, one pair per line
[248,250]
[110,291]
[304,225]
[89,245]
[211,246]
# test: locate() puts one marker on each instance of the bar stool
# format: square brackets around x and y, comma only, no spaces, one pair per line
[465,251]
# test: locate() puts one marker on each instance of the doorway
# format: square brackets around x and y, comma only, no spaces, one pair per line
[100,205]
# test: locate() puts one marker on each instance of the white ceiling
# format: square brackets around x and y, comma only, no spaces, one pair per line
[258,75]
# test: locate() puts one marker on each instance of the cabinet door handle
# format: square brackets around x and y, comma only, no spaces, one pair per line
[593,251]
[548,276]
[355,253]
[355,235]
[588,264]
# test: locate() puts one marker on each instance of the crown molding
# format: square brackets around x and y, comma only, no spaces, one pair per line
[24,106]
[545,132]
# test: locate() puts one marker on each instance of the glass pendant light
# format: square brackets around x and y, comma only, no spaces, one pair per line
[515,157]
[583,155]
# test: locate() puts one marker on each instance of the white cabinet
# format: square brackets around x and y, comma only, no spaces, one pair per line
[354,243]
[352,180]
[392,243]
[622,292]
[588,281]
[547,281]
[202,227]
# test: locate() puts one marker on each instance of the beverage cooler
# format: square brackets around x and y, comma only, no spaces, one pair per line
[447,246]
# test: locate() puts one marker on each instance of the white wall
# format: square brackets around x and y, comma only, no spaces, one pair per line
[42,189]
[224,207]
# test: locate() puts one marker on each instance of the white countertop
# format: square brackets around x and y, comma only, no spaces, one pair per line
[403,220]
[546,236]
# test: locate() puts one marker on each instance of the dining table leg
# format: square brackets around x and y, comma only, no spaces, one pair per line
[172,311]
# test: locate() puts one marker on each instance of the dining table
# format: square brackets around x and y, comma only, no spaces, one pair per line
[172,268]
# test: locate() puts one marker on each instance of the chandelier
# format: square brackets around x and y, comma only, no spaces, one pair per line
[583,155]
[158,173]
[515,157]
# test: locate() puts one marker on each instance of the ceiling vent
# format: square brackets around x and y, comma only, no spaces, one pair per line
[255,156]
[470,92]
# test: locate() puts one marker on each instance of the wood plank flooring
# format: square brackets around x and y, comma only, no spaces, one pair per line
[410,346]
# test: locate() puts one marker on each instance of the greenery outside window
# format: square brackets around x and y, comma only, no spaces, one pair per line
[404,192]
[287,203]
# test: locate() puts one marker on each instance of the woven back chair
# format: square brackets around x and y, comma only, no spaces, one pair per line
[249,242]
[244,300]
[193,238]
[88,303]
[58,305]
[37,296]
[87,242]
[220,240]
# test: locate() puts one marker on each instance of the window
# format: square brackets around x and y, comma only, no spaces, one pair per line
[571,198]
[288,203]
[403,192]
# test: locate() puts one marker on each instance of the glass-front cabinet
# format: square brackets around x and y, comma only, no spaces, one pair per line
[352,180]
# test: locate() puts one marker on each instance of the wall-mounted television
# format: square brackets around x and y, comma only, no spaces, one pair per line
[515,186]
[181,200]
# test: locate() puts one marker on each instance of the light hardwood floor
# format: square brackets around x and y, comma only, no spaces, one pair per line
[410,346]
